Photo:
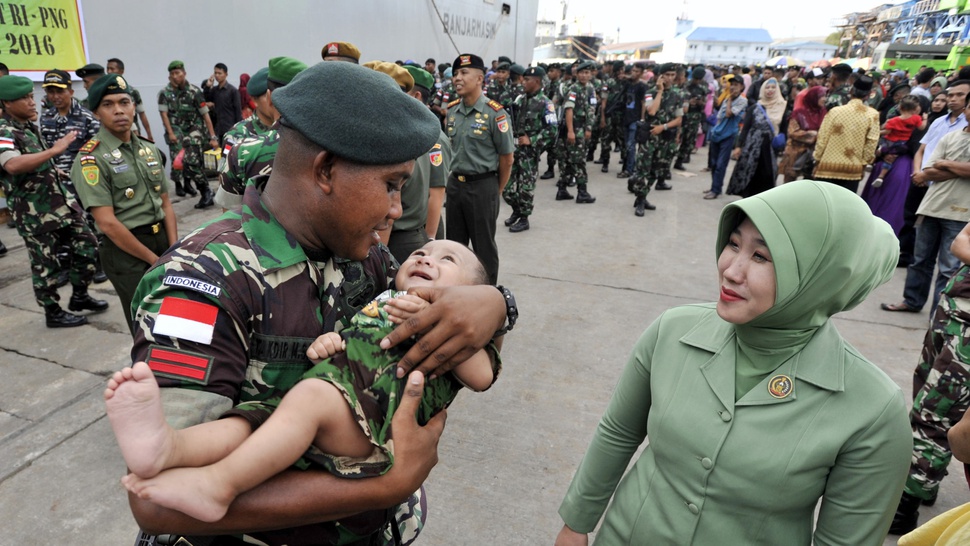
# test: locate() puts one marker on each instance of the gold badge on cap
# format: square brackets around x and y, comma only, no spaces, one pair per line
[129,193]
[121,82]
[780,386]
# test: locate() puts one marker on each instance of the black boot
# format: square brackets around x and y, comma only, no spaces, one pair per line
[679,165]
[638,205]
[630,182]
[571,182]
[59,318]
[179,190]
[907,514]
[550,173]
[663,185]
[582,196]
[563,194]
[932,500]
[99,275]
[82,301]
[512,219]
[3,249]
[522,224]
[206,200]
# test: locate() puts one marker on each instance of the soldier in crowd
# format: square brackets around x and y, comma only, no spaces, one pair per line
[662,114]
[669,147]
[253,158]
[299,260]
[46,215]
[186,120]
[444,95]
[516,71]
[696,96]
[89,74]
[423,197]
[499,89]
[840,90]
[481,136]
[553,92]
[579,113]
[596,80]
[260,123]
[66,115]
[121,182]
[117,66]
[612,131]
[534,125]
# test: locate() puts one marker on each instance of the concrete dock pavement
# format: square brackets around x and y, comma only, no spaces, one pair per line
[588,280]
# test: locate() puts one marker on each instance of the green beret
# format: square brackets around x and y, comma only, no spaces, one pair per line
[89,70]
[536,71]
[667,67]
[586,65]
[517,69]
[397,72]
[176,65]
[15,87]
[504,59]
[257,83]
[503,66]
[282,70]
[421,77]
[357,114]
[109,84]
[698,73]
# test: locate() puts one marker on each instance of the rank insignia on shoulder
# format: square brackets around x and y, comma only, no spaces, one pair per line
[89,146]
[179,364]
[495,105]
[436,146]
[146,139]
[88,160]
[454,103]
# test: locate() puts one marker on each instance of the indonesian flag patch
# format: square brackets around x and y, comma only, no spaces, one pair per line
[186,319]
[6,143]
[178,364]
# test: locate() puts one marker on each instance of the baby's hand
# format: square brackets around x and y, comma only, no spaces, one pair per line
[403,307]
[326,346]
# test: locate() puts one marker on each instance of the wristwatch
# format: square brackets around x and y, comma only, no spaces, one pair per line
[511,311]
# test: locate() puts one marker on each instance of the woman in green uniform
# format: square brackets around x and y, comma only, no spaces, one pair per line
[755,407]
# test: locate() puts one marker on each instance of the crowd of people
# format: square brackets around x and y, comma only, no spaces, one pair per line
[287,299]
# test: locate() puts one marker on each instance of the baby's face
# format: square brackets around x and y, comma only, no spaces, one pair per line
[438,263]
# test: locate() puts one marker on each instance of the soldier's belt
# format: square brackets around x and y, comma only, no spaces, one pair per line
[473,177]
[151,229]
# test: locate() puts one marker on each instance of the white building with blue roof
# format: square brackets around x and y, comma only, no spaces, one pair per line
[716,45]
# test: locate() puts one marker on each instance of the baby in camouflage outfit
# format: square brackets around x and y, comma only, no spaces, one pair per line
[338,416]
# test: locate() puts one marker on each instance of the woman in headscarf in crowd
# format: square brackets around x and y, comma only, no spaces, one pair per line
[887,109]
[888,200]
[803,127]
[756,168]
[755,407]
[937,85]
[247,102]
[708,106]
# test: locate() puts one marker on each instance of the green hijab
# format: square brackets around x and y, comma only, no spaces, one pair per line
[829,252]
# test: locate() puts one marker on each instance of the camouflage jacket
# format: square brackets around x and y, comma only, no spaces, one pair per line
[249,159]
[444,95]
[582,99]
[535,117]
[671,106]
[502,94]
[616,94]
[249,128]
[696,96]
[37,199]
[254,300]
[185,107]
[551,91]
[53,126]
[839,96]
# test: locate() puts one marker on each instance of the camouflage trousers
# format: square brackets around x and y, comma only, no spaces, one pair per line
[688,134]
[595,135]
[648,166]
[42,248]
[574,167]
[941,387]
[520,191]
[613,136]
[192,161]
[665,158]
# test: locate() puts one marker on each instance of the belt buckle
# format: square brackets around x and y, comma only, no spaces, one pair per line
[156,228]
[461,178]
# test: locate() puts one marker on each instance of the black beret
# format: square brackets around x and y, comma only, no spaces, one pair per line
[842,69]
[466,60]
[667,67]
[586,65]
[504,59]
[863,83]
[89,70]
[109,84]
[617,65]
[517,69]
[503,66]
[357,113]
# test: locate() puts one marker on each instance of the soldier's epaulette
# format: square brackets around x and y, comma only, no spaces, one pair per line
[454,103]
[495,105]
[146,139]
[89,146]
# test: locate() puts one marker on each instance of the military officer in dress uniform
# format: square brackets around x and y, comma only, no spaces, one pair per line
[481,137]
[121,182]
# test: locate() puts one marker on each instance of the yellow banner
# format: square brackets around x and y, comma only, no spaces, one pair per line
[38,35]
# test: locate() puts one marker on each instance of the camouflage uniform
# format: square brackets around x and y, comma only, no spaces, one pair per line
[553,92]
[502,94]
[186,107]
[53,126]
[653,155]
[366,375]
[561,152]
[600,92]
[941,387]
[839,96]
[47,216]
[248,159]
[669,146]
[267,300]
[696,91]
[582,100]
[139,107]
[533,116]
[614,134]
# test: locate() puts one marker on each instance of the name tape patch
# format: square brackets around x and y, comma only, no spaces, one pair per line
[192,284]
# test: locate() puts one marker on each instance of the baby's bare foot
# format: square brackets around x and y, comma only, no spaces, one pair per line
[134,408]
[192,491]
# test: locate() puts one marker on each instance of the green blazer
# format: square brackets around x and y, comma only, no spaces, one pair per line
[749,472]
